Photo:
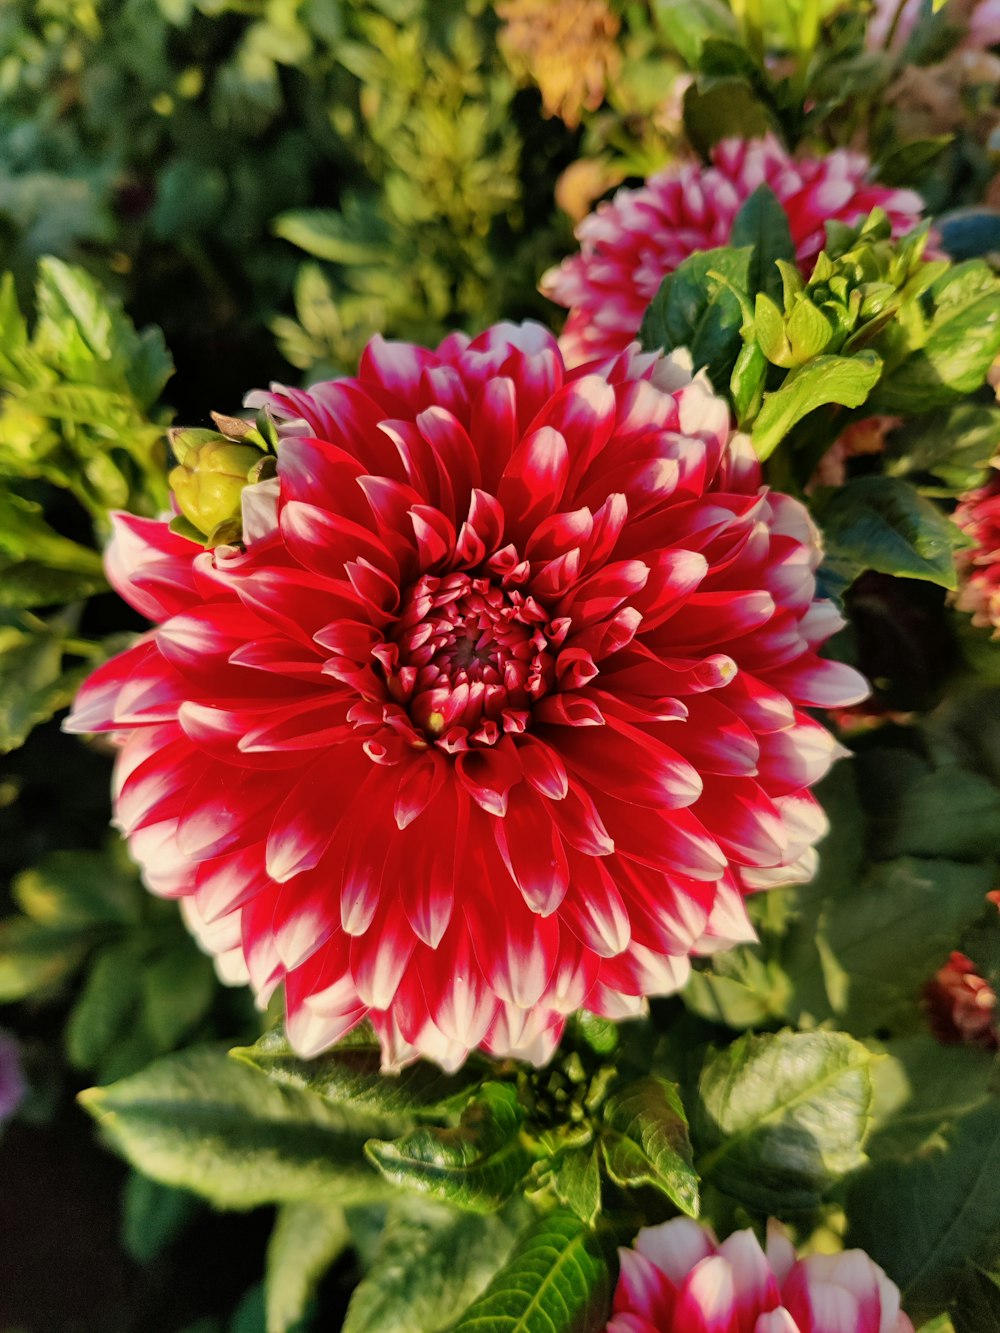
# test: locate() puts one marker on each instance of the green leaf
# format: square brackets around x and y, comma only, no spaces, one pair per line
[923,1215]
[81,888]
[880,940]
[688,24]
[728,107]
[556,1278]
[153,1216]
[477,1165]
[699,312]
[351,1074]
[740,989]
[328,235]
[646,1142]
[955,445]
[746,387]
[177,991]
[842,380]
[957,348]
[32,683]
[763,224]
[13,328]
[576,1182]
[307,1237]
[207,1123]
[916,810]
[106,1004]
[34,959]
[882,523]
[978,1306]
[431,1261]
[782,1117]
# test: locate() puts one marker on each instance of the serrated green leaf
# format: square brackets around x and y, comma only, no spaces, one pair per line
[576,1182]
[556,1278]
[351,1073]
[883,523]
[153,1216]
[204,1122]
[646,1142]
[305,1240]
[782,1117]
[842,380]
[763,224]
[477,1165]
[431,1261]
[35,959]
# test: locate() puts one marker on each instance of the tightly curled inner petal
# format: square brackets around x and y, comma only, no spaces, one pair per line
[503,716]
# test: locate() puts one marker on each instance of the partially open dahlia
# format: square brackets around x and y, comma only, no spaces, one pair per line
[678,1279]
[499,716]
[630,243]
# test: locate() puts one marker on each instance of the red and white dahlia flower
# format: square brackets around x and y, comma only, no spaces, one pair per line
[978,515]
[679,1279]
[498,717]
[629,243]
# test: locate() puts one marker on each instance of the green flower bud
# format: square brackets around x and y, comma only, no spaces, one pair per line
[209,479]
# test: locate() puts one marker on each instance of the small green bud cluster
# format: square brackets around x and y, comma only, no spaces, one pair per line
[859,283]
[213,469]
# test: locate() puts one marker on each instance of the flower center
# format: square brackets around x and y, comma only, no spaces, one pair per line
[467,659]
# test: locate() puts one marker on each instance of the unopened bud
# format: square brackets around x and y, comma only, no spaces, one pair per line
[209,480]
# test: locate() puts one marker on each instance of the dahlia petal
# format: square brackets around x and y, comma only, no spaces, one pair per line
[632,764]
[776,1321]
[543,768]
[524,1034]
[150,566]
[677,842]
[823,1307]
[157,789]
[224,813]
[644,1289]
[432,867]
[706,1301]
[595,910]
[756,1286]
[580,823]
[458,998]
[96,706]
[494,427]
[779,1250]
[716,740]
[379,958]
[673,578]
[812,682]
[226,882]
[532,850]
[749,827]
[519,964]
[325,542]
[640,971]
[488,776]
[675,1247]
[534,479]
[307,819]
[728,923]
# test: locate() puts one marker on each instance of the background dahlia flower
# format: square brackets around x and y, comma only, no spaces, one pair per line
[679,1279]
[978,515]
[630,242]
[499,715]
[961,1006]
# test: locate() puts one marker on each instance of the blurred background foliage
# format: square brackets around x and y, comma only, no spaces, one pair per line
[258,186]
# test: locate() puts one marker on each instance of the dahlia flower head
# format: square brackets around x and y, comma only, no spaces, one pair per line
[978,516]
[499,713]
[629,243]
[961,1005]
[679,1279]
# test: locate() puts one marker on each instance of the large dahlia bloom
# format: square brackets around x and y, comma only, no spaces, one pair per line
[499,716]
[631,242]
[679,1279]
